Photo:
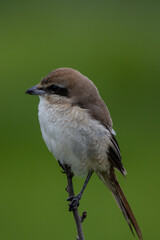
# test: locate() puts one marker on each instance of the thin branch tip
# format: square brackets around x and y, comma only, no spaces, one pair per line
[66,189]
[84,215]
[70,190]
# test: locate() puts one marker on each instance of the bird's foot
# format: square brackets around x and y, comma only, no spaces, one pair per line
[74,204]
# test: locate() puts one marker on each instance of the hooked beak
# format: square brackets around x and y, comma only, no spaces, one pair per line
[35,91]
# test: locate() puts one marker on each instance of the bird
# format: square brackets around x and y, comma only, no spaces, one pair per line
[77,128]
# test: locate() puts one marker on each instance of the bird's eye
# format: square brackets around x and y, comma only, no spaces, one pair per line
[53,88]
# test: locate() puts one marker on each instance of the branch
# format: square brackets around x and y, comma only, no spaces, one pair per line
[77,218]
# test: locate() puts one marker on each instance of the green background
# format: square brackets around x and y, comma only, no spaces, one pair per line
[117,45]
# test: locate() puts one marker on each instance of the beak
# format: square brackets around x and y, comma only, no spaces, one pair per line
[35,91]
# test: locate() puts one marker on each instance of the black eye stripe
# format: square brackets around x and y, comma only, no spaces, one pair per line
[54,89]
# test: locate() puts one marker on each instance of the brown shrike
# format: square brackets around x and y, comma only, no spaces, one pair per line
[77,128]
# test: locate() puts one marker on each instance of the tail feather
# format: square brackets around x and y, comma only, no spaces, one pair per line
[112,183]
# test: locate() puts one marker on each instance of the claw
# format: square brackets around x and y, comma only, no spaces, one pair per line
[70,198]
[74,204]
[62,166]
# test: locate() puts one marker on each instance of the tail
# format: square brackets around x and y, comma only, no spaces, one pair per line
[111,182]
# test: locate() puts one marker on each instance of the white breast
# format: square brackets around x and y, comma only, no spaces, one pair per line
[73,137]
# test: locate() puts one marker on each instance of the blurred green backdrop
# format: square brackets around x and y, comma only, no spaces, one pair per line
[117,45]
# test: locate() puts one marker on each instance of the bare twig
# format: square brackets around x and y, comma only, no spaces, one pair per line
[77,218]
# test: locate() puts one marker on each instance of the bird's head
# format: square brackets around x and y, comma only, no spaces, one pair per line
[65,84]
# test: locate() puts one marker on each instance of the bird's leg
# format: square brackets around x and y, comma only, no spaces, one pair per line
[75,199]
